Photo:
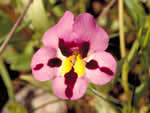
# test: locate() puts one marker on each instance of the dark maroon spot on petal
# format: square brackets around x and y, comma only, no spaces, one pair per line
[106,70]
[38,67]
[69,92]
[54,62]
[84,49]
[92,64]
[70,80]
[64,49]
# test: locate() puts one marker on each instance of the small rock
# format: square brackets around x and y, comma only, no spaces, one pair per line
[37,100]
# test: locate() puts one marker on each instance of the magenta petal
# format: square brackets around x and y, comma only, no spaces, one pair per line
[102,69]
[99,41]
[51,36]
[80,88]
[84,25]
[40,69]
[59,87]
[86,29]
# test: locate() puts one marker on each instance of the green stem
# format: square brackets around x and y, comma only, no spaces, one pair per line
[108,99]
[121,32]
[7,81]
[124,77]
[140,90]
[147,38]
[125,68]
[133,50]
[135,47]
[11,33]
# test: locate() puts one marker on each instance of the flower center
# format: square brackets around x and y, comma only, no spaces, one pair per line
[74,62]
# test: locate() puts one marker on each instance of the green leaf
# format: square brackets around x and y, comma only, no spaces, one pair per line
[22,61]
[39,17]
[5,24]
[145,61]
[29,48]
[140,90]
[29,78]
[70,4]
[6,79]
[119,68]
[147,38]
[16,108]
[52,2]
[136,11]
[58,10]
[147,23]
[127,109]
[19,61]
[9,54]
[19,29]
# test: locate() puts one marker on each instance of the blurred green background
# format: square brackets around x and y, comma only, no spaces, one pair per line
[128,92]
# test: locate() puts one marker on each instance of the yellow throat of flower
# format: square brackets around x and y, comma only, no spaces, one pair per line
[73,61]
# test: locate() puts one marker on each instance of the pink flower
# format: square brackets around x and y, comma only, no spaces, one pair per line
[73,53]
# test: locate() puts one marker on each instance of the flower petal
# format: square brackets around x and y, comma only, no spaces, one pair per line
[44,64]
[59,87]
[51,36]
[87,30]
[101,68]
[99,41]
[84,25]
[80,88]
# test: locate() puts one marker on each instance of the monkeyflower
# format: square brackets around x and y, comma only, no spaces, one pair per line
[73,53]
